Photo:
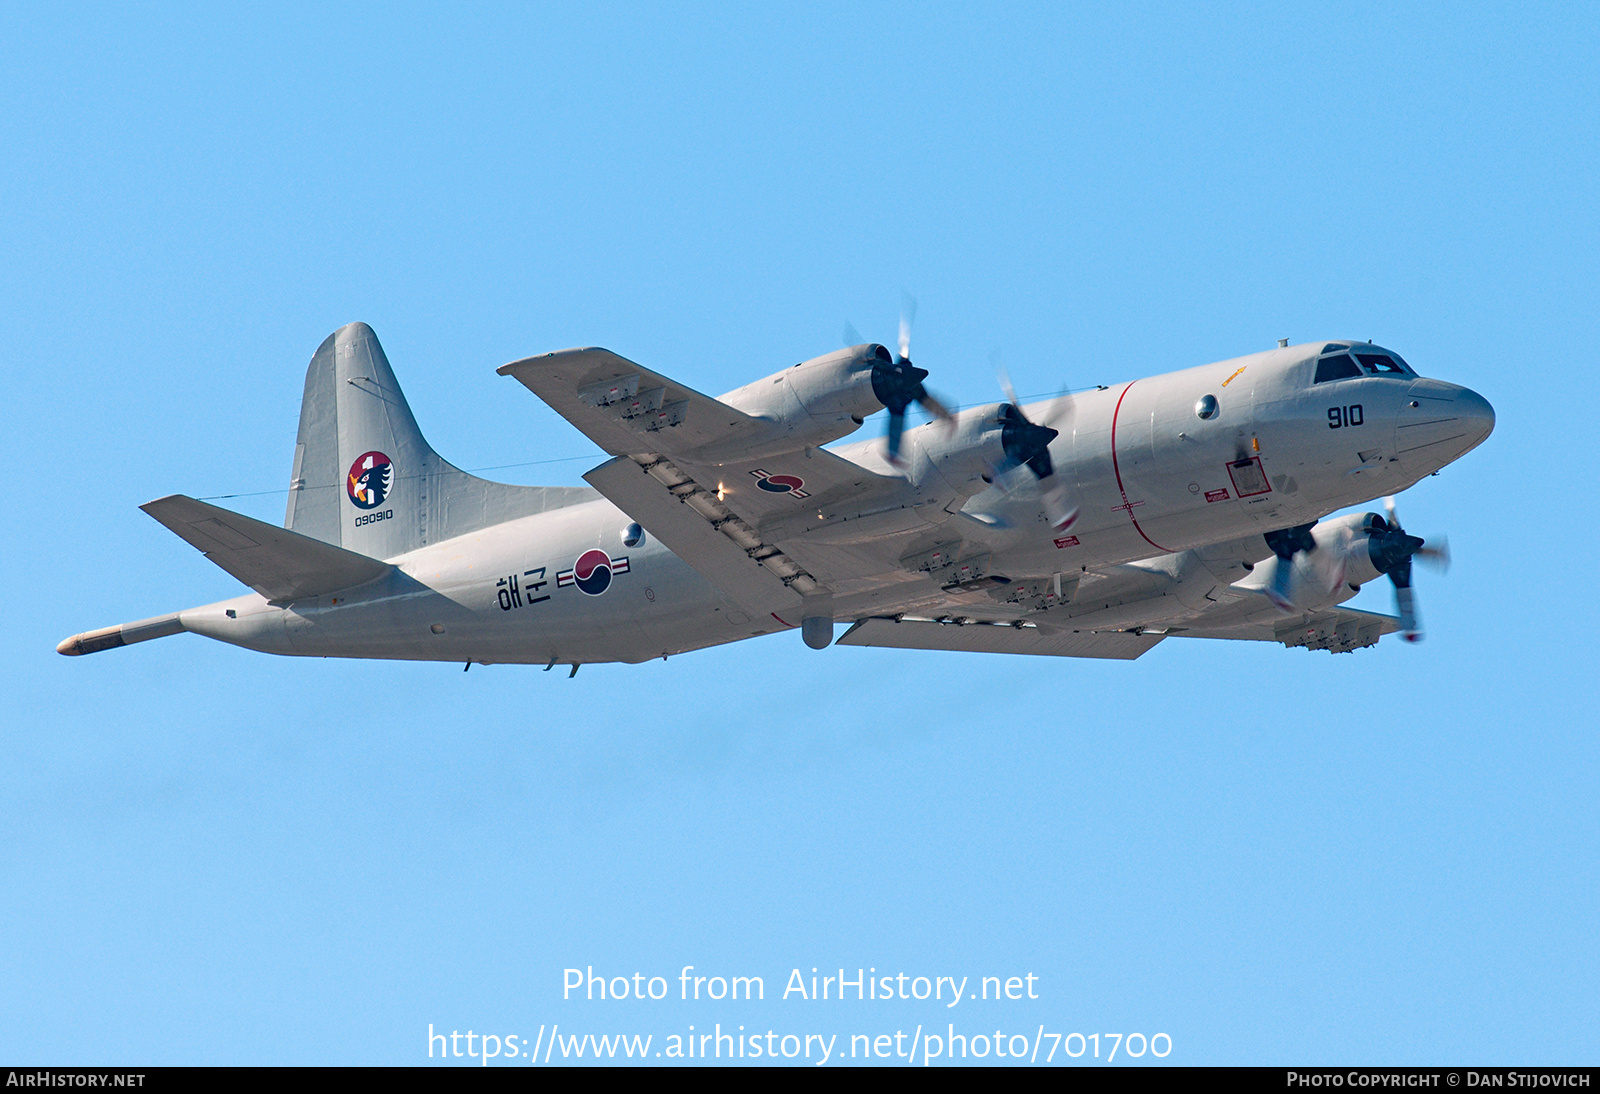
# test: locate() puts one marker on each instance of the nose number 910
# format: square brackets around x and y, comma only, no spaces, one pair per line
[1341,416]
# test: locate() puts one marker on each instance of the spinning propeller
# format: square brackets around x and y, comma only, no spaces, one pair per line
[1027,443]
[897,383]
[1389,549]
[1286,543]
[1392,551]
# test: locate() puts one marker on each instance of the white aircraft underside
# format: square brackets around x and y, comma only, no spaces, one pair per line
[1096,525]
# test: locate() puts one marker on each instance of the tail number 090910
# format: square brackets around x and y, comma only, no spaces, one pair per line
[1341,416]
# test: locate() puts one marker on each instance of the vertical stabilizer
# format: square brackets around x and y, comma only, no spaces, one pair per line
[366,480]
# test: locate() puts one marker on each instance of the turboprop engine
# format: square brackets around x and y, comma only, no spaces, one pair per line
[999,445]
[1311,562]
[828,397]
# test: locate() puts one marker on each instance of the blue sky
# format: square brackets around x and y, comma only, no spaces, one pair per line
[1270,855]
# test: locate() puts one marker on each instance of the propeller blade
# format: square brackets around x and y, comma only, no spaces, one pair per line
[1024,442]
[1405,600]
[1061,410]
[908,312]
[1286,544]
[852,337]
[1058,507]
[935,407]
[1388,511]
[1057,415]
[1436,556]
[1055,499]
[897,425]
[898,383]
[1028,442]
[1001,475]
[1341,564]
[1010,392]
[1406,607]
[1277,589]
[1328,567]
[1398,550]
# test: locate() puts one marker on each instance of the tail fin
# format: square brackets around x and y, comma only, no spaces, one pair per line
[365,479]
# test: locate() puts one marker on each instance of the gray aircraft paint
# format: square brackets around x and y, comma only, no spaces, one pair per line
[1151,554]
[353,405]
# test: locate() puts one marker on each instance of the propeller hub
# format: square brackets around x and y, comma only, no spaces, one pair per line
[898,384]
[1024,442]
[1391,552]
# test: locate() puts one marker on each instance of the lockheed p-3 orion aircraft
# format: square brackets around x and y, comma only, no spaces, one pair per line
[1192,504]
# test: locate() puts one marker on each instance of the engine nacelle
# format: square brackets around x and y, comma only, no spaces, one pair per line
[819,400]
[1350,551]
[962,454]
[1364,550]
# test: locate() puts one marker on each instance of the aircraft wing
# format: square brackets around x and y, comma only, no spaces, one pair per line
[625,408]
[1338,629]
[972,637]
[755,466]
[720,488]
[1117,613]
[731,525]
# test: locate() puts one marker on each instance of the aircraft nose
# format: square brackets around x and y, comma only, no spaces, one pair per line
[1478,414]
[1441,423]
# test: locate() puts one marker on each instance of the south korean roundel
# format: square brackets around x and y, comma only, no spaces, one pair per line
[592,572]
[370,479]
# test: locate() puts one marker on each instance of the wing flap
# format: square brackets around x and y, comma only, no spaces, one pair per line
[279,564]
[928,634]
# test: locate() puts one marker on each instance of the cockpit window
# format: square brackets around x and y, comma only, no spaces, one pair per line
[1380,364]
[1335,347]
[1340,367]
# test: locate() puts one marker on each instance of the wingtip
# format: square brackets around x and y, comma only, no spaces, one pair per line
[510,367]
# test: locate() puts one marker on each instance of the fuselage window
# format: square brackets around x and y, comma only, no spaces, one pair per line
[1380,365]
[1336,368]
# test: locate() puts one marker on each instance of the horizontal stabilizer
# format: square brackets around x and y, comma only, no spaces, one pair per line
[929,634]
[279,564]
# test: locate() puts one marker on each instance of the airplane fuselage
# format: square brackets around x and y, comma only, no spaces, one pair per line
[1156,467]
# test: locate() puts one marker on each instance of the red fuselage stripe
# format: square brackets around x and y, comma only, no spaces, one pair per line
[1115,467]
